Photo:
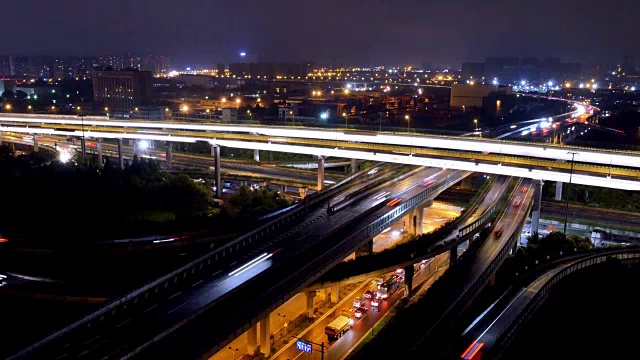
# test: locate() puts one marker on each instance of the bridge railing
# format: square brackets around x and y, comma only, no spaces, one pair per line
[501,344]
[172,279]
[292,282]
[461,303]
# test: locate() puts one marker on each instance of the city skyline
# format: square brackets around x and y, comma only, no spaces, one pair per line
[405,32]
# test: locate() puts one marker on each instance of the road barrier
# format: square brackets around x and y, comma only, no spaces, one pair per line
[501,344]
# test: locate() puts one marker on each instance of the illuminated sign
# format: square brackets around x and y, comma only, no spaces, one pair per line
[303,346]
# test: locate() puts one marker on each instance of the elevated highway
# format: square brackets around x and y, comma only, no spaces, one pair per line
[492,332]
[606,168]
[267,270]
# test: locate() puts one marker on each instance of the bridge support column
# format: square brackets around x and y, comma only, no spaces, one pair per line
[408,280]
[320,173]
[453,256]
[303,192]
[120,154]
[354,165]
[265,336]
[35,143]
[417,217]
[252,339]
[466,183]
[537,203]
[169,155]
[99,148]
[335,294]
[83,146]
[323,294]
[256,155]
[365,249]
[558,191]
[311,294]
[215,152]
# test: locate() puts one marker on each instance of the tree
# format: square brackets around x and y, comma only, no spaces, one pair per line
[8,95]
[21,95]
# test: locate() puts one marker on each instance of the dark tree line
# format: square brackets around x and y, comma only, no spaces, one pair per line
[51,201]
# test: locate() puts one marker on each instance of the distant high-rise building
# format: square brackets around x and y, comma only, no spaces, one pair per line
[472,70]
[157,64]
[529,69]
[504,69]
[221,68]
[121,91]
[5,66]
[629,65]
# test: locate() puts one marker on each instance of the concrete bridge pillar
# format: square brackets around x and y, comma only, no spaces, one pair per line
[354,165]
[408,279]
[335,294]
[537,203]
[323,294]
[252,339]
[120,154]
[35,143]
[466,183]
[558,191]
[453,256]
[169,155]
[417,218]
[265,336]
[83,146]
[365,249]
[303,192]
[320,173]
[256,155]
[215,152]
[99,148]
[311,294]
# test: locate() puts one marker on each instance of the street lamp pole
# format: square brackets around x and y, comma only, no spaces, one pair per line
[346,124]
[566,210]
[475,121]
[84,144]
[408,118]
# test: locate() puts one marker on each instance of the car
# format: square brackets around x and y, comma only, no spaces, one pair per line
[360,312]
[369,294]
[498,233]
[517,202]
[524,189]
[348,312]
[375,301]
[427,182]
[357,302]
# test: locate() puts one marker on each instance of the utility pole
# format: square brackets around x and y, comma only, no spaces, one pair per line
[566,210]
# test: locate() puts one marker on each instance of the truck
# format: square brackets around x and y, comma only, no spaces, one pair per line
[338,327]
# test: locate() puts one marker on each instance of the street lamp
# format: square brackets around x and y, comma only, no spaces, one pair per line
[185,108]
[208,113]
[250,115]
[566,211]
[406,117]
[345,119]
[475,121]
[30,108]
[238,102]
[137,113]
[8,107]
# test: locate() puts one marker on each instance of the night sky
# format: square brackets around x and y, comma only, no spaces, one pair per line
[355,32]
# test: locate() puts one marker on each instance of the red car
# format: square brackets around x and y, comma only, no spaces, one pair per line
[524,189]
[360,312]
[369,294]
[498,233]
[517,202]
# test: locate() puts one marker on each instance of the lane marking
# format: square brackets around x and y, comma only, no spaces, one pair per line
[196,283]
[176,308]
[122,323]
[176,294]
[90,340]
[152,307]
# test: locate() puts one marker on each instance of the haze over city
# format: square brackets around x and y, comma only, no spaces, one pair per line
[358,33]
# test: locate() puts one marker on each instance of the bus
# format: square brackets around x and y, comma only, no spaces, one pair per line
[389,286]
